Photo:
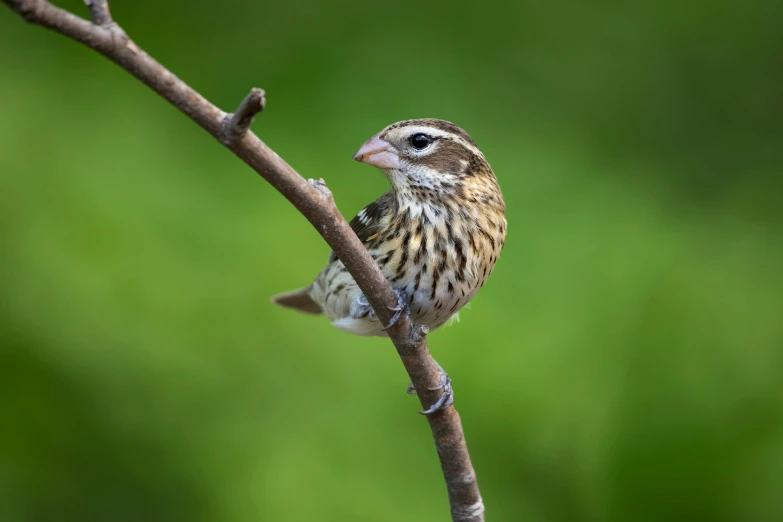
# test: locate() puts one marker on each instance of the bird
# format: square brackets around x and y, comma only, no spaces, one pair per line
[436,235]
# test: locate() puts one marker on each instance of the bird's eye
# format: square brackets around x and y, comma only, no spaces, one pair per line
[420,141]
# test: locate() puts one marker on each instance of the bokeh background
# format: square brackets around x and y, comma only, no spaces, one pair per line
[623,363]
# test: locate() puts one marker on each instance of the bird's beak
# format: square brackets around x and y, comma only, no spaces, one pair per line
[378,153]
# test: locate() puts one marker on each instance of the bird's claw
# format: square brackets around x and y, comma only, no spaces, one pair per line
[445,400]
[361,307]
[401,311]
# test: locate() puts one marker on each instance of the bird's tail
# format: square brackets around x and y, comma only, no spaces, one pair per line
[298,300]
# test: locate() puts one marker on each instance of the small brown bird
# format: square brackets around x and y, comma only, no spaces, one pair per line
[436,235]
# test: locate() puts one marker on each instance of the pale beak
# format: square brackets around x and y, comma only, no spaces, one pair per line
[378,153]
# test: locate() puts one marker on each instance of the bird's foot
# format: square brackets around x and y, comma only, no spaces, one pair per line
[446,398]
[402,311]
[360,307]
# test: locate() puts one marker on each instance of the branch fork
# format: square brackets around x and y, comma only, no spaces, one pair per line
[238,123]
[99,12]
[313,200]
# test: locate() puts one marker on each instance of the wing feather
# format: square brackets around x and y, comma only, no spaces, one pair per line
[367,222]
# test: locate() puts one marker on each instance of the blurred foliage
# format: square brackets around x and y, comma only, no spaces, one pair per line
[623,364]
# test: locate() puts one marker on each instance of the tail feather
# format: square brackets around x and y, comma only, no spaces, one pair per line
[298,300]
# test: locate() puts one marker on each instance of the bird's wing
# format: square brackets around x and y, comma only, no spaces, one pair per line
[368,221]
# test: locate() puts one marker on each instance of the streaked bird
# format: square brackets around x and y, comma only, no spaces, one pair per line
[436,235]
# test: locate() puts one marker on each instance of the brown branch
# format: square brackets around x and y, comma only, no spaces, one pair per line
[311,198]
[242,119]
[99,11]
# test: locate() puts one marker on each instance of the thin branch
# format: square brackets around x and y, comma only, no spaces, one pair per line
[99,11]
[242,119]
[312,199]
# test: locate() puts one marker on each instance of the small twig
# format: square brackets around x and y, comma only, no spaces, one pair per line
[242,119]
[99,11]
[312,200]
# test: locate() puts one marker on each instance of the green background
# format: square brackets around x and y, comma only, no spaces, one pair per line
[624,362]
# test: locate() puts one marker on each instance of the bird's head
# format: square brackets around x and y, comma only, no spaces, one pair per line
[424,154]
